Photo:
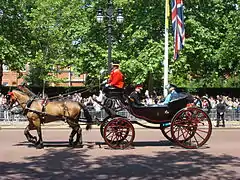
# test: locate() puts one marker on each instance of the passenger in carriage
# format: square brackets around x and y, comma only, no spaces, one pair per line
[135,96]
[171,95]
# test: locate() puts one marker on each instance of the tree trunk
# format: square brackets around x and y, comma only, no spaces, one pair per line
[150,82]
[1,72]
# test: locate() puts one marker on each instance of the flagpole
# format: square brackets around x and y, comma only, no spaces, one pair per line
[167,14]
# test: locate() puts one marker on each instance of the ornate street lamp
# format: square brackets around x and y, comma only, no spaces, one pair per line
[1,13]
[110,16]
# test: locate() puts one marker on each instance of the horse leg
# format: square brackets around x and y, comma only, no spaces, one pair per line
[79,136]
[76,130]
[39,144]
[71,137]
[30,138]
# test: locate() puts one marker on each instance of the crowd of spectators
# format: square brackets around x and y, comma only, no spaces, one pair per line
[232,103]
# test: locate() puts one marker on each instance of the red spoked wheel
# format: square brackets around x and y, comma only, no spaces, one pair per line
[191,128]
[119,133]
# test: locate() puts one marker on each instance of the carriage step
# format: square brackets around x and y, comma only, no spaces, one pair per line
[166,124]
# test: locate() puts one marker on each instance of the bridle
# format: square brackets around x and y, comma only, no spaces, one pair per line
[11,100]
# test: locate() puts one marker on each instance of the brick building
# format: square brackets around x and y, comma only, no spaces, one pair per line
[11,78]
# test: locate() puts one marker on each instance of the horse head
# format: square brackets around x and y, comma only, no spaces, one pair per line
[16,96]
[11,99]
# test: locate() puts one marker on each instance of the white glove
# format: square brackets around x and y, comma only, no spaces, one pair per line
[106,85]
[104,82]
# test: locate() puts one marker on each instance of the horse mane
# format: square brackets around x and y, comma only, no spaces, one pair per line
[26,90]
[20,92]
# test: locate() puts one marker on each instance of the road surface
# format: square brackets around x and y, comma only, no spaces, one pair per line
[152,157]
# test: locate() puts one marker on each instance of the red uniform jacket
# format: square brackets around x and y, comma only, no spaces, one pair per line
[116,78]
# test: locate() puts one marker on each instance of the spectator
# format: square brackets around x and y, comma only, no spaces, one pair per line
[155,97]
[238,112]
[221,107]
[147,97]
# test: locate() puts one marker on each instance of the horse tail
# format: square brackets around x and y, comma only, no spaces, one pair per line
[87,116]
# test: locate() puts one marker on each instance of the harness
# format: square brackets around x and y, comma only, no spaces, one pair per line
[28,104]
[42,114]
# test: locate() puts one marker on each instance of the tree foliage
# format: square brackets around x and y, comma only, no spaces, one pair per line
[59,33]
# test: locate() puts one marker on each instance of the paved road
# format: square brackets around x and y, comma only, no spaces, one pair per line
[151,158]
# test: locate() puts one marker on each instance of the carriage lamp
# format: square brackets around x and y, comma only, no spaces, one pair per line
[120,17]
[1,13]
[110,15]
[99,15]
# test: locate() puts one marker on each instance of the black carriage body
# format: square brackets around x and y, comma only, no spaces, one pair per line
[158,114]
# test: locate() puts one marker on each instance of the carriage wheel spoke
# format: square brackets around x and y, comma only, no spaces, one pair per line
[178,130]
[183,133]
[168,130]
[188,133]
[196,141]
[110,134]
[112,138]
[199,135]
[202,131]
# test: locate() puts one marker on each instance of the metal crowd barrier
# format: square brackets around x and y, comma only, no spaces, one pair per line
[8,117]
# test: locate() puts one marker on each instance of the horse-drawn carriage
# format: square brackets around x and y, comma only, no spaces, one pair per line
[180,121]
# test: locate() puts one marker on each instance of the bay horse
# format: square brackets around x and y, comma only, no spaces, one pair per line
[39,111]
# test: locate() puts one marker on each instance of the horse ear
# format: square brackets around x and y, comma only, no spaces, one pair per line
[23,84]
[20,87]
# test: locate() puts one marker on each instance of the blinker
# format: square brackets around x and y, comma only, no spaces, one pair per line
[10,93]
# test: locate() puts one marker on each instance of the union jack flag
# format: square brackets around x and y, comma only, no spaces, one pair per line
[178,26]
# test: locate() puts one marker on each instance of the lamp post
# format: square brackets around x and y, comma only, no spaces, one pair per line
[110,15]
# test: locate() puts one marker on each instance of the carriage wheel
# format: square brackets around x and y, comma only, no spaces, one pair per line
[108,103]
[166,131]
[191,128]
[103,124]
[119,133]
[114,103]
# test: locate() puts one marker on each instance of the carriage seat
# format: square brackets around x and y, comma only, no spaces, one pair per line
[113,92]
[132,104]
[180,102]
[177,104]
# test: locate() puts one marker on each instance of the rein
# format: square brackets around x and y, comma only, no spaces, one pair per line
[80,91]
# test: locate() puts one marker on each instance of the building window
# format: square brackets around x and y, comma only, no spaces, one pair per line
[5,83]
[5,68]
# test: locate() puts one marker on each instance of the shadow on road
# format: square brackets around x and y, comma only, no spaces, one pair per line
[66,163]
[53,144]
[65,143]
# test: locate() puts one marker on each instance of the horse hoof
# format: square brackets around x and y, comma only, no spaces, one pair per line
[35,138]
[77,144]
[70,142]
[39,146]
[37,143]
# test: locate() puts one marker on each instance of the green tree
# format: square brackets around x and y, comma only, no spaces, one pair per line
[14,35]
[212,46]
